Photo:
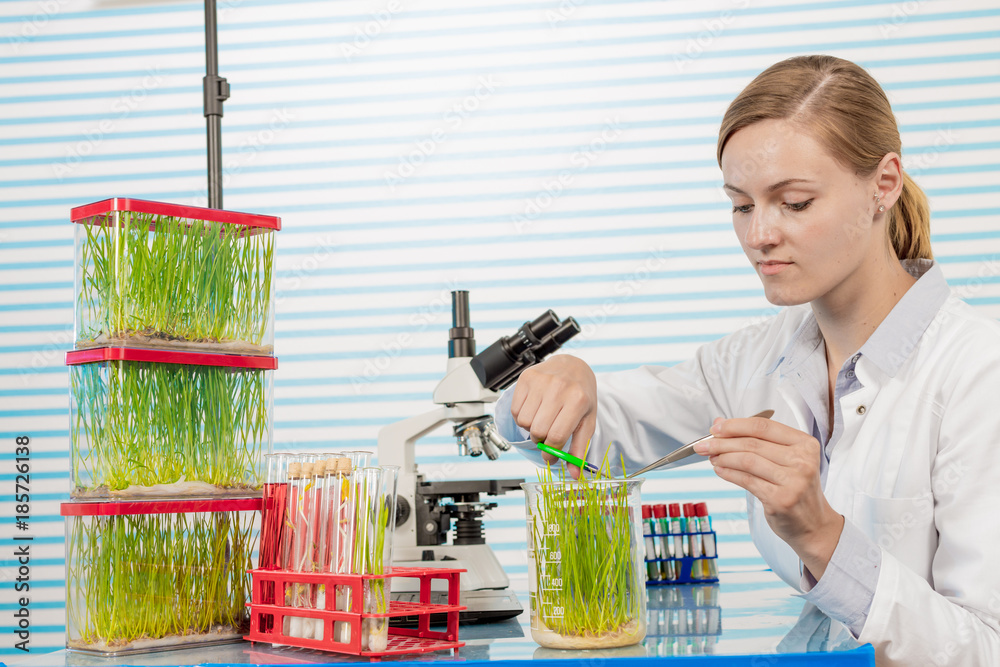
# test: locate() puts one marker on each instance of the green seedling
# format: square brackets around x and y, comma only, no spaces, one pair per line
[141,424]
[148,279]
[143,580]
[583,534]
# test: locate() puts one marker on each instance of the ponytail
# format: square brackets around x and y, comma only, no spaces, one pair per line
[910,223]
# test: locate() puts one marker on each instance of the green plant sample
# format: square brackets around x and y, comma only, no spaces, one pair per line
[585,558]
[157,278]
[141,580]
[371,532]
[144,423]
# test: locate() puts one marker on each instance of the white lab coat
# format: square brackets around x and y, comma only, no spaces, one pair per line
[918,471]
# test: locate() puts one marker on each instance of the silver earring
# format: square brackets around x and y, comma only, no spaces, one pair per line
[881,208]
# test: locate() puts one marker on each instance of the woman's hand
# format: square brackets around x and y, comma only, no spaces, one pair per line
[557,399]
[780,466]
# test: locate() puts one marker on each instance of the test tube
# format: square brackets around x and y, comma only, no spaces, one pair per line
[710,567]
[693,540]
[273,510]
[293,483]
[376,510]
[304,557]
[336,529]
[289,537]
[677,530]
[652,571]
[664,543]
[272,525]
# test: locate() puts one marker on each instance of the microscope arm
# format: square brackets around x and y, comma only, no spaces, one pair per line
[397,442]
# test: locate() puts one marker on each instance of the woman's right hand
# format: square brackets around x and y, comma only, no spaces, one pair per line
[557,399]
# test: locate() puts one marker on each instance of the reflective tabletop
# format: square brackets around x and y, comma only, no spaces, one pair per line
[744,618]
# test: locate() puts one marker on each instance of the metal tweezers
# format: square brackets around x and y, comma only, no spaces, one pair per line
[674,459]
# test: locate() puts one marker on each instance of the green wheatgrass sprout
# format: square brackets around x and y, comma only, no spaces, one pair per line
[370,533]
[589,589]
[144,423]
[173,279]
[135,579]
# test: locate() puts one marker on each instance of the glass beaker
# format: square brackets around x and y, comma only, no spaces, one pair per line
[585,563]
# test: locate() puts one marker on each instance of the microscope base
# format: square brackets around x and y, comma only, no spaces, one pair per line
[485,587]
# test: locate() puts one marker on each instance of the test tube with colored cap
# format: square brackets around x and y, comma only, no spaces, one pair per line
[677,529]
[663,541]
[711,569]
[693,539]
[652,571]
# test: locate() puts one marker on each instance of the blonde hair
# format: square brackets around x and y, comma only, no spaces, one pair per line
[849,113]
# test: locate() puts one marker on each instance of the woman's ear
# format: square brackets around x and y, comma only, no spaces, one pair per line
[889,179]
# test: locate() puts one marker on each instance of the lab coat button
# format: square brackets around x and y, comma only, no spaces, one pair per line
[861,410]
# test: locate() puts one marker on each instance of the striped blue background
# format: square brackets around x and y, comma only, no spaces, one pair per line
[487,103]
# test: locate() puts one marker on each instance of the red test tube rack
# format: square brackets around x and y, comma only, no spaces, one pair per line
[267,619]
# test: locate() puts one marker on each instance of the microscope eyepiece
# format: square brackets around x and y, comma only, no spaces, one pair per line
[499,365]
[461,337]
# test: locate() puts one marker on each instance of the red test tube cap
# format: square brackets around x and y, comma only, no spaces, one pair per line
[701,509]
[647,512]
[660,511]
[675,510]
[688,509]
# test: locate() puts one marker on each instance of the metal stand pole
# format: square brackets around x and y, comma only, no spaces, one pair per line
[216,92]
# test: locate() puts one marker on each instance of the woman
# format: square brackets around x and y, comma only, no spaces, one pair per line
[875,488]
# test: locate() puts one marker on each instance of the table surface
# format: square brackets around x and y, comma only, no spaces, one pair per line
[747,614]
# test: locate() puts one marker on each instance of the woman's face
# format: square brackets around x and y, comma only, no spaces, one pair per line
[804,220]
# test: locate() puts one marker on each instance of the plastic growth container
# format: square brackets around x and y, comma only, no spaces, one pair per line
[153,423]
[157,275]
[148,576]
[585,563]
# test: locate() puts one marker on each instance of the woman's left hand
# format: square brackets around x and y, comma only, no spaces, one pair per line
[780,466]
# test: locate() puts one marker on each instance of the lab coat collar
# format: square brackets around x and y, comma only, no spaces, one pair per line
[894,339]
[803,343]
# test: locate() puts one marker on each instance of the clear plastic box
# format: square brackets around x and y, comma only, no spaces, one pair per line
[153,423]
[154,575]
[157,275]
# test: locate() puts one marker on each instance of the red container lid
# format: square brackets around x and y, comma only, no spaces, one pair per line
[647,512]
[117,508]
[660,511]
[98,354]
[675,510]
[87,211]
[688,509]
[701,509]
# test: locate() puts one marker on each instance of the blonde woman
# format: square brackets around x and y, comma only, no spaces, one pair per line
[875,488]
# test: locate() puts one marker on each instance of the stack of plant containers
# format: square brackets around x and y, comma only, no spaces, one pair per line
[171,398]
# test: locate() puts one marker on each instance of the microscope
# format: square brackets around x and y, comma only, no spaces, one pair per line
[425,508]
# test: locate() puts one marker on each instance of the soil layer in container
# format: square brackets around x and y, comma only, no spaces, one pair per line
[631,632]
